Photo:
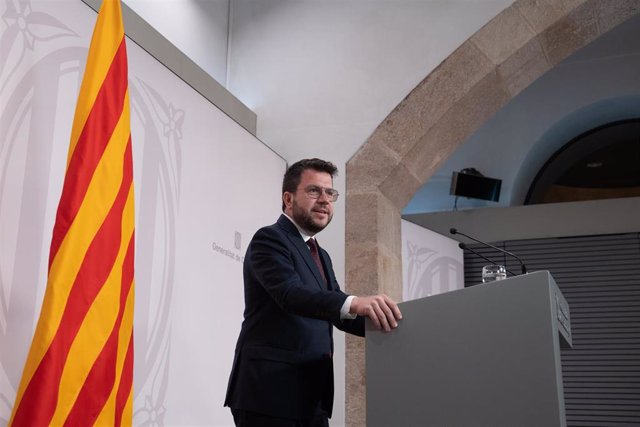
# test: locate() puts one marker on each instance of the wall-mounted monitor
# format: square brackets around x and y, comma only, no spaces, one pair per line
[475,186]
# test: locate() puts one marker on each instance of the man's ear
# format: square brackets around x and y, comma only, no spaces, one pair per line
[287,199]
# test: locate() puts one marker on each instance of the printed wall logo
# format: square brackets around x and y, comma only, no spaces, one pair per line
[429,272]
[234,255]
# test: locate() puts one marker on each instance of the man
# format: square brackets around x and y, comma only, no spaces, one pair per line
[282,373]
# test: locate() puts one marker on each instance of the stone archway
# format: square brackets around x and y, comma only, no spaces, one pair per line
[450,104]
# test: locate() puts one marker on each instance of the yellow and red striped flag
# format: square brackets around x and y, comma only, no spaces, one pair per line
[79,370]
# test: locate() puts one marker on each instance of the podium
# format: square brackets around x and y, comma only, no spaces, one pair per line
[487,355]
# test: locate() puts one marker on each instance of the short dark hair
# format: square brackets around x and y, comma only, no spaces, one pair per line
[294,173]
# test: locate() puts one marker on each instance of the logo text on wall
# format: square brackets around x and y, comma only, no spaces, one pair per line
[233,254]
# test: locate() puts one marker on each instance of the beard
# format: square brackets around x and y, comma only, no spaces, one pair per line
[306,221]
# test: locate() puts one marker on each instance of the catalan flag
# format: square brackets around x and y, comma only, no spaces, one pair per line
[79,370]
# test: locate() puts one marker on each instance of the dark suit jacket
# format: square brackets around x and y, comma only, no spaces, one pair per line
[283,360]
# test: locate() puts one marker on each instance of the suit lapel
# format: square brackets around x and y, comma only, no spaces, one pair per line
[296,239]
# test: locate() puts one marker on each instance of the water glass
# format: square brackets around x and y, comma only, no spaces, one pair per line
[493,272]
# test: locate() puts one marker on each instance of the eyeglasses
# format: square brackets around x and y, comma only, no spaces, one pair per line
[314,192]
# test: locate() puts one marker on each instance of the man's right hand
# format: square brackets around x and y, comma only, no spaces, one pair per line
[381,309]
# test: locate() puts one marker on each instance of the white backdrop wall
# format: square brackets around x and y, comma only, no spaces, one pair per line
[203,186]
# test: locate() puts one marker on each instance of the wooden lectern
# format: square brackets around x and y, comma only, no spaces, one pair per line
[487,355]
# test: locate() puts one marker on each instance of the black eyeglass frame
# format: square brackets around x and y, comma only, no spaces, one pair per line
[315,191]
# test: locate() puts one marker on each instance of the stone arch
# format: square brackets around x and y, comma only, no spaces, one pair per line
[450,104]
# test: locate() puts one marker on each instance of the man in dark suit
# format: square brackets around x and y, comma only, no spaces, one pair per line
[282,372]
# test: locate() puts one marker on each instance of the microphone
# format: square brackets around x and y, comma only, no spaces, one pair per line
[522,266]
[463,247]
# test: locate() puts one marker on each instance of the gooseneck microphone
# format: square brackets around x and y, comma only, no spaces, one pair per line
[464,246]
[523,268]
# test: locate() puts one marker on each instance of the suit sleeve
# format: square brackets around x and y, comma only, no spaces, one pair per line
[275,265]
[352,326]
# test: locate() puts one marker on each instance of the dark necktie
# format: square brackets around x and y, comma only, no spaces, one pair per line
[316,257]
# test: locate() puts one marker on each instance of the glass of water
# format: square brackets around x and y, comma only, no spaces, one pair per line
[493,272]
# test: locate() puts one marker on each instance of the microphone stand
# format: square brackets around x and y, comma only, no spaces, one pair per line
[463,247]
[522,266]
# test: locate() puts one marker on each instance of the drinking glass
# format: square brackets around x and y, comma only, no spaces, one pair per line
[493,272]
